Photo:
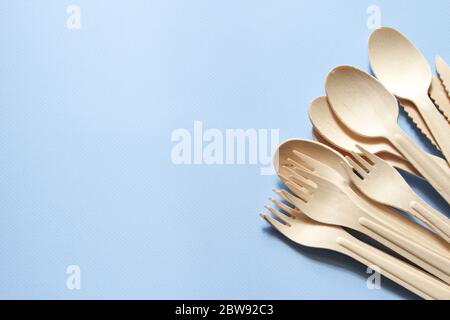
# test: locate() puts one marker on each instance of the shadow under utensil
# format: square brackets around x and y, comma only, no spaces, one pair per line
[421,186]
[427,192]
[341,261]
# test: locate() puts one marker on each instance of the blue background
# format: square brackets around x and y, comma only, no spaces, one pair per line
[86,117]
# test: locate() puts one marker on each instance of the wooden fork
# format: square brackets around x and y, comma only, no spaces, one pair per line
[388,215]
[325,202]
[302,230]
[381,182]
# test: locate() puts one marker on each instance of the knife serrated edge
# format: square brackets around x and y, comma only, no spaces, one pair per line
[444,73]
[439,96]
[417,119]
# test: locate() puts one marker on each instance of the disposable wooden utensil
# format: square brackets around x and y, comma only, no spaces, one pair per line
[324,201]
[418,121]
[326,163]
[396,162]
[444,73]
[328,125]
[372,179]
[440,97]
[335,132]
[304,231]
[367,108]
[406,73]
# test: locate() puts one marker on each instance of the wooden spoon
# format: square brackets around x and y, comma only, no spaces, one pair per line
[329,127]
[367,108]
[406,73]
[326,122]
[394,161]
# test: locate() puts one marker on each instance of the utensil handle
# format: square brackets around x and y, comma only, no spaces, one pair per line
[439,161]
[404,164]
[408,228]
[432,217]
[422,256]
[438,125]
[438,177]
[398,271]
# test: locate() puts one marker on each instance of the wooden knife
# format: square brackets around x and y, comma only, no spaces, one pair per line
[444,73]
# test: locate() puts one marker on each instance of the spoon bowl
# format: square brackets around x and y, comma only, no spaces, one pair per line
[313,149]
[360,102]
[367,108]
[406,73]
[398,64]
[330,128]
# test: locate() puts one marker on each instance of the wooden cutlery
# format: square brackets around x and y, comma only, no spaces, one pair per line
[439,89]
[307,232]
[331,128]
[367,108]
[327,163]
[404,71]
[444,73]
[418,121]
[371,176]
[358,187]
[394,161]
[327,202]
[440,98]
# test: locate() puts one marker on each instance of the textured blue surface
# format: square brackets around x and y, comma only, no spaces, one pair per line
[86,118]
